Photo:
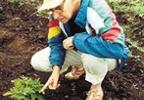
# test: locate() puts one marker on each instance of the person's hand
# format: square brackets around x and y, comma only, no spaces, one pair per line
[67,43]
[52,82]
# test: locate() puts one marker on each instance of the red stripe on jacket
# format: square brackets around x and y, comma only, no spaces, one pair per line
[114,31]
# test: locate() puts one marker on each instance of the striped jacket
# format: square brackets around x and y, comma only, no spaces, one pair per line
[97,18]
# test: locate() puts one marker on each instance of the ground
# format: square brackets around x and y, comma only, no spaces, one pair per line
[22,34]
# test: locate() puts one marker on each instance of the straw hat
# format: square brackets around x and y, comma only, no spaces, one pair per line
[49,4]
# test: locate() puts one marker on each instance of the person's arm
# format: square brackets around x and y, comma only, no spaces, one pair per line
[111,30]
[55,38]
[57,55]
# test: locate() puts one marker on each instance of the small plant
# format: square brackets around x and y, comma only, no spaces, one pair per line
[25,88]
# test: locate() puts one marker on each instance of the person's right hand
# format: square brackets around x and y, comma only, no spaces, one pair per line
[68,44]
[52,82]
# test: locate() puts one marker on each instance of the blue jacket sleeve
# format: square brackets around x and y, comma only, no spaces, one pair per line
[98,47]
[57,53]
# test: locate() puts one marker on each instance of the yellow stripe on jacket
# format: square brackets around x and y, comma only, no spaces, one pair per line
[53,31]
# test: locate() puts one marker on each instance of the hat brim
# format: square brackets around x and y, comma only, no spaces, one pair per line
[50,5]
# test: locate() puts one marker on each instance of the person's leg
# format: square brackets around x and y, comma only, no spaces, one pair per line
[96,70]
[40,60]
[73,58]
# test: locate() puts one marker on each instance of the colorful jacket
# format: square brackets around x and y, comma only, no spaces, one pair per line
[96,17]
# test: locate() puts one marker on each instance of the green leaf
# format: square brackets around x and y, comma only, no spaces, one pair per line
[24,88]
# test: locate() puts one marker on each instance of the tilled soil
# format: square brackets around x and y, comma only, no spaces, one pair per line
[22,34]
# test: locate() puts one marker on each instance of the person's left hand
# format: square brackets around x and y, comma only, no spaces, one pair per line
[67,43]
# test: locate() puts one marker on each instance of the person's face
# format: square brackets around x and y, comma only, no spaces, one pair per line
[66,10]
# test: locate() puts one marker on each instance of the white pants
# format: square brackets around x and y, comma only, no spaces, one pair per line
[96,68]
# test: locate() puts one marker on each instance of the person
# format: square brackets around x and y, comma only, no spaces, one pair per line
[90,39]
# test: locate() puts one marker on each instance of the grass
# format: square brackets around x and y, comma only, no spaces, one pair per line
[127,6]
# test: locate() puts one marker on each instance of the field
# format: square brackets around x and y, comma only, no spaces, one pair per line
[22,33]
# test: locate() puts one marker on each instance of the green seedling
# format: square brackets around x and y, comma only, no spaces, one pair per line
[25,88]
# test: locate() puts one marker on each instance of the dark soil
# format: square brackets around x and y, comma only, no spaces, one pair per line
[22,34]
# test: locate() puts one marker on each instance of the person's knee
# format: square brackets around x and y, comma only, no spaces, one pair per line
[94,65]
[34,62]
[40,63]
